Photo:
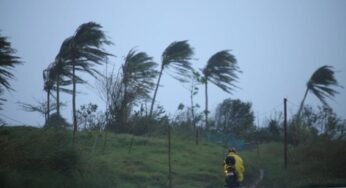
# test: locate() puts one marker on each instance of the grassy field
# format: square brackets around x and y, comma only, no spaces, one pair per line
[32,157]
[302,171]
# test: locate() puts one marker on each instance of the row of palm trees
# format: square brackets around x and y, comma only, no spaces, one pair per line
[84,49]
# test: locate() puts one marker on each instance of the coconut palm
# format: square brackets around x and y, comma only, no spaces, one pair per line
[61,74]
[320,84]
[138,74]
[221,70]
[83,50]
[7,61]
[176,57]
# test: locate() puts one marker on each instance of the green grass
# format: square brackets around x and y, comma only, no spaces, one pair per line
[32,157]
[305,166]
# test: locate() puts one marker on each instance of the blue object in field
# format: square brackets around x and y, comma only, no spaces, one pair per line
[225,139]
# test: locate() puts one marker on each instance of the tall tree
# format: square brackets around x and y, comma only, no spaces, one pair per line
[221,70]
[137,80]
[176,57]
[83,50]
[320,84]
[61,74]
[7,61]
[54,77]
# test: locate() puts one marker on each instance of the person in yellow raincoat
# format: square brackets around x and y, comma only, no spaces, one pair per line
[238,166]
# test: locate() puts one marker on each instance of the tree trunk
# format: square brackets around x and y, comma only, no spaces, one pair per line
[302,103]
[192,107]
[206,103]
[123,108]
[48,105]
[58,96]
[74,102]
[154,97]
[193,114]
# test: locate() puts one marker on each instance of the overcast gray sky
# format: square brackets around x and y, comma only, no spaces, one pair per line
[278,45]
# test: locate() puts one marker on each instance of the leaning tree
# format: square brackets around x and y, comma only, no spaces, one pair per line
[320,84]
[221,70]
[83,51]
[176,57]
[138,74]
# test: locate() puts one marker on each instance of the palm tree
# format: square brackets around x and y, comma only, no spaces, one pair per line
[138,74]
[221,70]
[320,85]
[7,61]
[53,78]
[83,50]
[176,56]
[48,86]
[61,72]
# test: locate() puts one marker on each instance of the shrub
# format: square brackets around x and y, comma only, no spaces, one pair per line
[56,121]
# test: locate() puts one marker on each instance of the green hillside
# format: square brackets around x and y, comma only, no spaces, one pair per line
[32,157]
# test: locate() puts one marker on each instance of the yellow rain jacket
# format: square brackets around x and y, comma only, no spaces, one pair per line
[239,166]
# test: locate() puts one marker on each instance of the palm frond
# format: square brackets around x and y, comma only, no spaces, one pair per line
[176,58]
[222,70]
[84,49]
[91,34]
[321,82]
[139,72]
[7,61]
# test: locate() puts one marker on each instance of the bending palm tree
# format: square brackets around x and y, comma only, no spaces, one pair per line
[221,70]
[83,50]
[137,82]
[320,85]
[176,56]
[61,72]
[138,74]
[7,61]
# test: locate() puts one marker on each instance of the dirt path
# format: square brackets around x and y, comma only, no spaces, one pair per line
[259,179]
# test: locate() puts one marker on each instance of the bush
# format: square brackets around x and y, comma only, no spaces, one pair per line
[146,125]
[56,121]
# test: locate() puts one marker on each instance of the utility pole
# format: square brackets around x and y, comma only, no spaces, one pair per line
[285,133]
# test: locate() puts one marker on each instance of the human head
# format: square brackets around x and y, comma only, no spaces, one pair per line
[232,149]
